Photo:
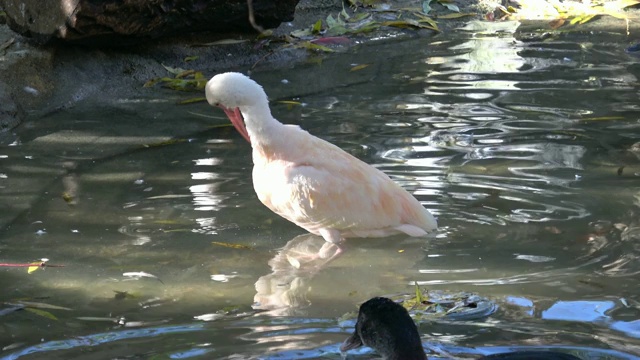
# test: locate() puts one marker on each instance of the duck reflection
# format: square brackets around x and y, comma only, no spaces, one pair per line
[292,268]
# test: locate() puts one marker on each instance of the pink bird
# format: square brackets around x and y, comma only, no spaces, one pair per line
[311,182]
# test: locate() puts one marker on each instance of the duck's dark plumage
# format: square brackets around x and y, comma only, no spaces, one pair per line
[387,328]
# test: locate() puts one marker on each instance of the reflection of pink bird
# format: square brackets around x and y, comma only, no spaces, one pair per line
[310,182]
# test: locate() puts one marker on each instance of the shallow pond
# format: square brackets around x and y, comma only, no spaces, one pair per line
[521,145]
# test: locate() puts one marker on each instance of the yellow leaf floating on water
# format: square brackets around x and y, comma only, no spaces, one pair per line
[36,265]
[359,67]
[604,118]
[290,102]
[232,246]
[43,313]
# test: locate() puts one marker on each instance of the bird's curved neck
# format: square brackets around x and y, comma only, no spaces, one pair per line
[263,129]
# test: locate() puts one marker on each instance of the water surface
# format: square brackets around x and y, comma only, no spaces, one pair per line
[526,150]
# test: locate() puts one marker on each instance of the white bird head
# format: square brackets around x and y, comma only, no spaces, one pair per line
[234,90]
[235,93]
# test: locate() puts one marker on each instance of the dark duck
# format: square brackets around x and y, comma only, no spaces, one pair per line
[387,328]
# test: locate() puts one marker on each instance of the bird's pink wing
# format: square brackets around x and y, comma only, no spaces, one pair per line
[326,187]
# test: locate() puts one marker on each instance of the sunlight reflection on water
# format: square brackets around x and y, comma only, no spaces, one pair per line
[523,150]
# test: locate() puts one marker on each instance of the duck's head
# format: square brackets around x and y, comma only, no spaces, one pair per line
[387,328]
[232,92]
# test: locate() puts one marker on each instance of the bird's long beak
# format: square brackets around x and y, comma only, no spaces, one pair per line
[238,122]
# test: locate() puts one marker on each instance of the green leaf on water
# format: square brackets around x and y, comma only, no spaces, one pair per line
[172,70]
[428,20]
[418,294]
[344,13]
[426,6]
[43,313]
[301,33]
[201,80]
[331,22]
[185,73]
[337,30]
[311,46]
[367,27]
[317,27]
[408,24]
[151,82]
[359,17]
[191,58]
[452,7]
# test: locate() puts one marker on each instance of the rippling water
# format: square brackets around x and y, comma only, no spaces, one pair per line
[527,151]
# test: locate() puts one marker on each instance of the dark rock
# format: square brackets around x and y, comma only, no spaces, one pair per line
[11,114]
[118,22]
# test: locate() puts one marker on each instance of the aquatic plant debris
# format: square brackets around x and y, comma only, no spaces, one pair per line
[426,5]
[32,307]
[337,31]
[564,13]
[232,246]
[182,80]
[428,305]
[32,266]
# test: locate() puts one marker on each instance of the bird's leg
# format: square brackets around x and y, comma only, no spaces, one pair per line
[330,249]
[331,235]
[411,230]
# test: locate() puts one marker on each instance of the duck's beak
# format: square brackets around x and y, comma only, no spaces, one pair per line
[235,116]
[352,342]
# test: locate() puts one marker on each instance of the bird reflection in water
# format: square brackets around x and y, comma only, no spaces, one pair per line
[294,265]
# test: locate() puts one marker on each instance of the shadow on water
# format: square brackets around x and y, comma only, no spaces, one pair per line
[526,150]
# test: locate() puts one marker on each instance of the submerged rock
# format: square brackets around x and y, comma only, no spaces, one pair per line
[114,22]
